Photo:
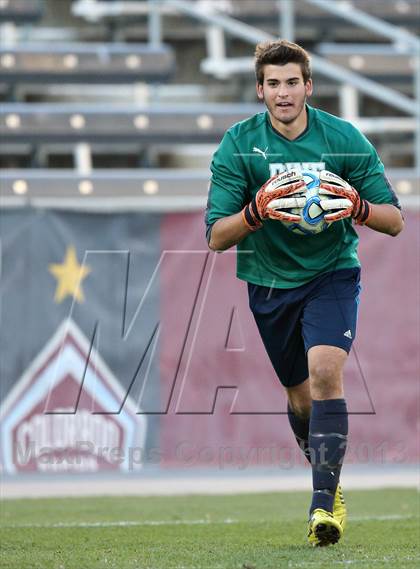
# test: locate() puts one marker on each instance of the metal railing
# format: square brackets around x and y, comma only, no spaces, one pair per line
[335,72]
[93,9]
[377,91]
[349,12]
[403,41]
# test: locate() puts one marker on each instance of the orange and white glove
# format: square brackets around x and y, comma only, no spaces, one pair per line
[338,195]
[280,193]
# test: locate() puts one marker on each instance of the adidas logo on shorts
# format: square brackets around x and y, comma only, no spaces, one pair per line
[348,334]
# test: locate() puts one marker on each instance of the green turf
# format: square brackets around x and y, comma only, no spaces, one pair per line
[245,531]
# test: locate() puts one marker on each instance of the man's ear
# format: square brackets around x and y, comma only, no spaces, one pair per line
[309,87]
[260,91]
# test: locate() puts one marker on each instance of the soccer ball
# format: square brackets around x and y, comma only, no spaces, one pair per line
[312,221]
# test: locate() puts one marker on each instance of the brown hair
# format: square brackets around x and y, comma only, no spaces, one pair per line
[281,52]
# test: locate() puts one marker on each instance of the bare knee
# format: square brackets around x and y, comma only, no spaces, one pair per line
[326,364]
[326,380]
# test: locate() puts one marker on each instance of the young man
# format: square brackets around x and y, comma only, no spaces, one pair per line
[303,290]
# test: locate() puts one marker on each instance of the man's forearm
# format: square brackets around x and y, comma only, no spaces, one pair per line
[228,231]
[385,218]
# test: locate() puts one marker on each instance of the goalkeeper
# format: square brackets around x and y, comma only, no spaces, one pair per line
[303,290]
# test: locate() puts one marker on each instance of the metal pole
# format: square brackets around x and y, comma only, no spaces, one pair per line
[349,102]
[233,27]
[8,34]
[287,19]
[154,23]
[83,158]
[216,47]
[350,13]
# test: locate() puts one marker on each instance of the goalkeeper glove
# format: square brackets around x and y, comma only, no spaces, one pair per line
[350,204]
[279,193]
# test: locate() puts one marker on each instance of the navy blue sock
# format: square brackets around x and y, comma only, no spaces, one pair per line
[328,430]
[300,428]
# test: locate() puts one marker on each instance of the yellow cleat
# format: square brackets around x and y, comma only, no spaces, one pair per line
[323,528]
[339,508]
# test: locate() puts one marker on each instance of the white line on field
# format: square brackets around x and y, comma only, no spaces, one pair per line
[383,518]
[360,562]
[127,523]
[123,523]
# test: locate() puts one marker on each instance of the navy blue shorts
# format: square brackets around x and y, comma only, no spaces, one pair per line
[290,321]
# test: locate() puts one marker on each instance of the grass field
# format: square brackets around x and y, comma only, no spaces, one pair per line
[226,532]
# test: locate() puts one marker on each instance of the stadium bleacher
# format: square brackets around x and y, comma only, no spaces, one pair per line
[158,190]
[381,62]
[86,63]
[46,120]
[399,11]
[75,122]
[20,11]
[143,189]
[311,17]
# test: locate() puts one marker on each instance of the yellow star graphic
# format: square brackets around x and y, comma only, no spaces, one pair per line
[69,277]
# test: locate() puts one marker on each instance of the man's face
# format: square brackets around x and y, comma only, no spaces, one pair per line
[284,92]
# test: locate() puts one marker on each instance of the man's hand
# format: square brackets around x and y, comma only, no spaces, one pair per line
[345,200]
[287,189]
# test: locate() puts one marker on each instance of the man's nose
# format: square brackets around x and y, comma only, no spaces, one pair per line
[282,91]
